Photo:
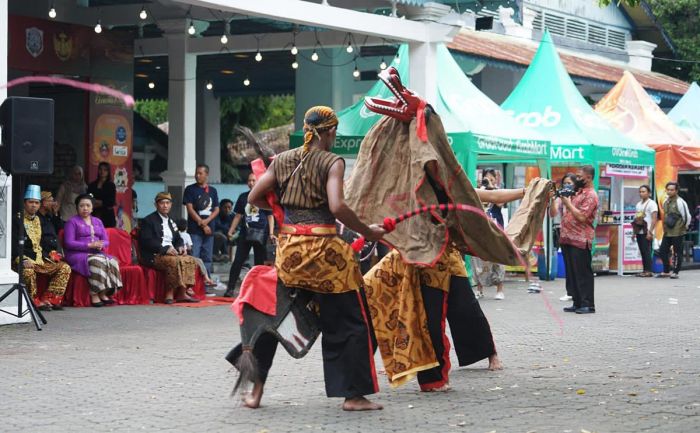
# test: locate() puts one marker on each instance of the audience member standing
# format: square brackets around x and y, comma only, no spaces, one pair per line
[69,191]
[104,194]
[202,202]
[643,227]
[577,234]
[676,222]
[258,225]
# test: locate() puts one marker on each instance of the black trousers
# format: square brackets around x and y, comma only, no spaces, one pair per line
[579,275]
[666,243]
[242,253]
[644,245]
[347,344]
[569,281]
[471,333]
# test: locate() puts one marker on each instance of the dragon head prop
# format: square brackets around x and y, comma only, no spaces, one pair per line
[404,107]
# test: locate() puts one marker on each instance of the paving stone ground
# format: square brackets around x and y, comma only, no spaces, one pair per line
[632,367]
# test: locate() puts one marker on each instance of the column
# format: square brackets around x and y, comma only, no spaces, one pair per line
[211,135]
[423,69]
[182,71]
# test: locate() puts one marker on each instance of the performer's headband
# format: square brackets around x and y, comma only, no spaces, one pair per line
[317,119]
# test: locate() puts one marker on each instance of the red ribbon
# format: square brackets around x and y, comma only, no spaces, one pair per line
[258,166]
[421,127]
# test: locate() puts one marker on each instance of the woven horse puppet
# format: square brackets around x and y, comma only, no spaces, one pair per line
[406,162]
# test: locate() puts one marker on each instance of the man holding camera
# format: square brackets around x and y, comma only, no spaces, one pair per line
[577,234]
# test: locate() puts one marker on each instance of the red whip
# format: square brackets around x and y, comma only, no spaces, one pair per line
[389,223]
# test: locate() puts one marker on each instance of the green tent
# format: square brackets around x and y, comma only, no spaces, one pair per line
[356,120]
[547,99]
[685,113]
[477,128]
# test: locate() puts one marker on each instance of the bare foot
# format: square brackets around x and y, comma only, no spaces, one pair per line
[495,362]
[360,403]
[252,399]
[444,388]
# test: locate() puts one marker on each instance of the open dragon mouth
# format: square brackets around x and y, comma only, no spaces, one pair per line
[406,105]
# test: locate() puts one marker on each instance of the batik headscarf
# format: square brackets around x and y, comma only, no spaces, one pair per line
[317,119]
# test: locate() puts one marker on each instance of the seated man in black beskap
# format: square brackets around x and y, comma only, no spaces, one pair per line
[162,249]
[49,210]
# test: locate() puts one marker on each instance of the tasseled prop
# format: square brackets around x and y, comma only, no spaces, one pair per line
[247,367]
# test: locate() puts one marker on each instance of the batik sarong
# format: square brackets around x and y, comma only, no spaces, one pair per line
[104,274]
[179,270]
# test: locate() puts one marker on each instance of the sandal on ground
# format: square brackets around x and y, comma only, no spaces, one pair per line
[97,304]
[169,301]
[108,301]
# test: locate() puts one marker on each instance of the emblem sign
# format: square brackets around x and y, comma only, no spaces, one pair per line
[34,41]
[62,46]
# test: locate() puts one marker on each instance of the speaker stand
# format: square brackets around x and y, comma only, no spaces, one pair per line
[20,287]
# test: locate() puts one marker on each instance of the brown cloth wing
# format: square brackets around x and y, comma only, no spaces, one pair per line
[390,178]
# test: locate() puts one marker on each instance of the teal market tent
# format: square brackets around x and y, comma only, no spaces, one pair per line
[547,99]
[356,120]
[477,128]
[686,113]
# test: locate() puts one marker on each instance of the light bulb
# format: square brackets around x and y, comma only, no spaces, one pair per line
[143,14]
[191,30]
[349,48]
[294,50]
[210,85]
[246,82]
[258,56]
[382,65]
[98,27]
[224,39]
[356,73]
[151,85]
[295,65]
[314,56]
[52,12]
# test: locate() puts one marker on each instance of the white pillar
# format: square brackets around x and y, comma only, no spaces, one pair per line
[181,112]
[641,53]
[423,70]
[211,136]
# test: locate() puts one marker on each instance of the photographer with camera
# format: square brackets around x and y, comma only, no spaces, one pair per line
[556,210]
[576,239]
[676,222]
[643,227]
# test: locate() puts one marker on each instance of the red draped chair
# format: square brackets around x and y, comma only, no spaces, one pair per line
[136,288]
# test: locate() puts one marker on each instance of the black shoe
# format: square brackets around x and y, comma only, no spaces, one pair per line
[108,301]
[585,310]
[58,307]
[571,309]
[44,307]
[228,293]
[97,304]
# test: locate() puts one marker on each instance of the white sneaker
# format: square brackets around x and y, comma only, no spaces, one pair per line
[565,298]
[500,296]
[478,295]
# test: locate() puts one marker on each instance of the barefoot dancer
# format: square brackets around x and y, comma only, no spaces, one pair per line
[310,256]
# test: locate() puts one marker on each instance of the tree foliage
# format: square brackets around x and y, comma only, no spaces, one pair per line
[153,110]
[681,19]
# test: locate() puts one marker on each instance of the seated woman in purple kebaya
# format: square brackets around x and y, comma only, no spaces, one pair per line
[84,244]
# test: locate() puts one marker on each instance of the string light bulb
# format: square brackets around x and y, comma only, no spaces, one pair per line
[356,72]
[314,56]
[151,85]
[224,39]
[295,64]
[209,85]
[349,48]
[246,82]
[382,65]
[143,14]
[191,30]
[294,50]
[52,12]
[98,27]
[258,56]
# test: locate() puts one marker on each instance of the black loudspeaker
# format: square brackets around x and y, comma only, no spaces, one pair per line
[27,135]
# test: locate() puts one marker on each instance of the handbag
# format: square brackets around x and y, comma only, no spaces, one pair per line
[671,219]
[639,224]
[256,235]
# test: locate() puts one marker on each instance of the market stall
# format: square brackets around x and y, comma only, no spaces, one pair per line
[630,109]
[547,100]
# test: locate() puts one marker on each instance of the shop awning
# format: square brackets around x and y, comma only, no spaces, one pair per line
[547,99]
[519,52]
[632,111]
